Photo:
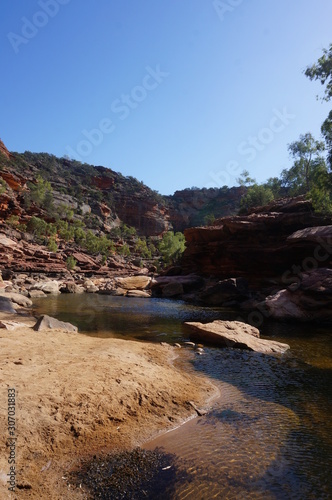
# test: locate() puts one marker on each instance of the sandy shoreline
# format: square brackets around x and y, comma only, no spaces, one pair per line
[78,395]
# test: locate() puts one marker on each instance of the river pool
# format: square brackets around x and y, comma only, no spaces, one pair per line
[268,436]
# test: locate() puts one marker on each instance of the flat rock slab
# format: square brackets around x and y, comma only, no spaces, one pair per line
[133,282]
[48,323]
[235,334]
[138,293]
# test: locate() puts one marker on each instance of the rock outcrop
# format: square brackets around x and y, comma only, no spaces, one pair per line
[236,335]
[263,247]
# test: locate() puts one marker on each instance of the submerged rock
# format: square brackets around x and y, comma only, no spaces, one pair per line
[235,334]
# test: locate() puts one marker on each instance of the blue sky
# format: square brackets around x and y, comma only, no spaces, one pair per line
[177,93]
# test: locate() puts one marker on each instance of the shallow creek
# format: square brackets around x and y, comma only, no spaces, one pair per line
[269,434]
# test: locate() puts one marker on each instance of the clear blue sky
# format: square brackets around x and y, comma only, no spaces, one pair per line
[175,89]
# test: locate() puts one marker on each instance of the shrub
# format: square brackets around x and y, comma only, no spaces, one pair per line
[71,263]
[52,246]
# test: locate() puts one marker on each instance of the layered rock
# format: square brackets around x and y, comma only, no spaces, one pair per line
[262,247]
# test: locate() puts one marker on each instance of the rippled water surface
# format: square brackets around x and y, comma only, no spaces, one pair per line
[268,436]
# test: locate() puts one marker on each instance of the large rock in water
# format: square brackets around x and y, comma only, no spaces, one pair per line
[235,334]
[48,323]
[310,299]
[133,282]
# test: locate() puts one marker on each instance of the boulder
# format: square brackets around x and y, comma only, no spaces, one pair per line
[36,293]
[233,289]
[17,298]
[51,287]
[48,323]
[133,282]
[309,299]
[71,287]
[6,305]
[235,334]
[282,305]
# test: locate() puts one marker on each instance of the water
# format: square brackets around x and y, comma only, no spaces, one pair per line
[268,436]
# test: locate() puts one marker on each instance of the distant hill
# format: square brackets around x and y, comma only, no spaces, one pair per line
[112,198]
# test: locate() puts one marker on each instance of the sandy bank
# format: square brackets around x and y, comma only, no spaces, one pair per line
[76,395]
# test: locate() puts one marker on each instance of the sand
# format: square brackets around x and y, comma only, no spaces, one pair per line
[77,396]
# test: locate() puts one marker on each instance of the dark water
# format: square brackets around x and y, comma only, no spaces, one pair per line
[269,436]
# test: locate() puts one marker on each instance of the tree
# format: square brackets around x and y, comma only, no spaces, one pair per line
[41,194]
[256,196]
[171,247]
[245,179]
[306,153]
[275,184]
[322,71]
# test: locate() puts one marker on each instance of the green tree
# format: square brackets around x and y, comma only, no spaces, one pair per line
[306,153]
[245,179]
[41,194]
[52,246]
[141,248]
[171,247]
[209,219]
[322,71]
[71,263]
[275,184]
[256,196]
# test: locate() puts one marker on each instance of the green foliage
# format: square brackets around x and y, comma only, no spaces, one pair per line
[71,263]
[171,247]
[124,250]
[40,228]
[52,246]
[3,186]
[66,231]
[41,194]
[13,221]
[275,184]
[141,248]
[209,219]
[257,195]
[305,152]
[64,212]
[128,231]
[245,179]
[322,71]
[327,133]
[97,244]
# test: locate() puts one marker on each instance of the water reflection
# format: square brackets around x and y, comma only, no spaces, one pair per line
[131,318]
